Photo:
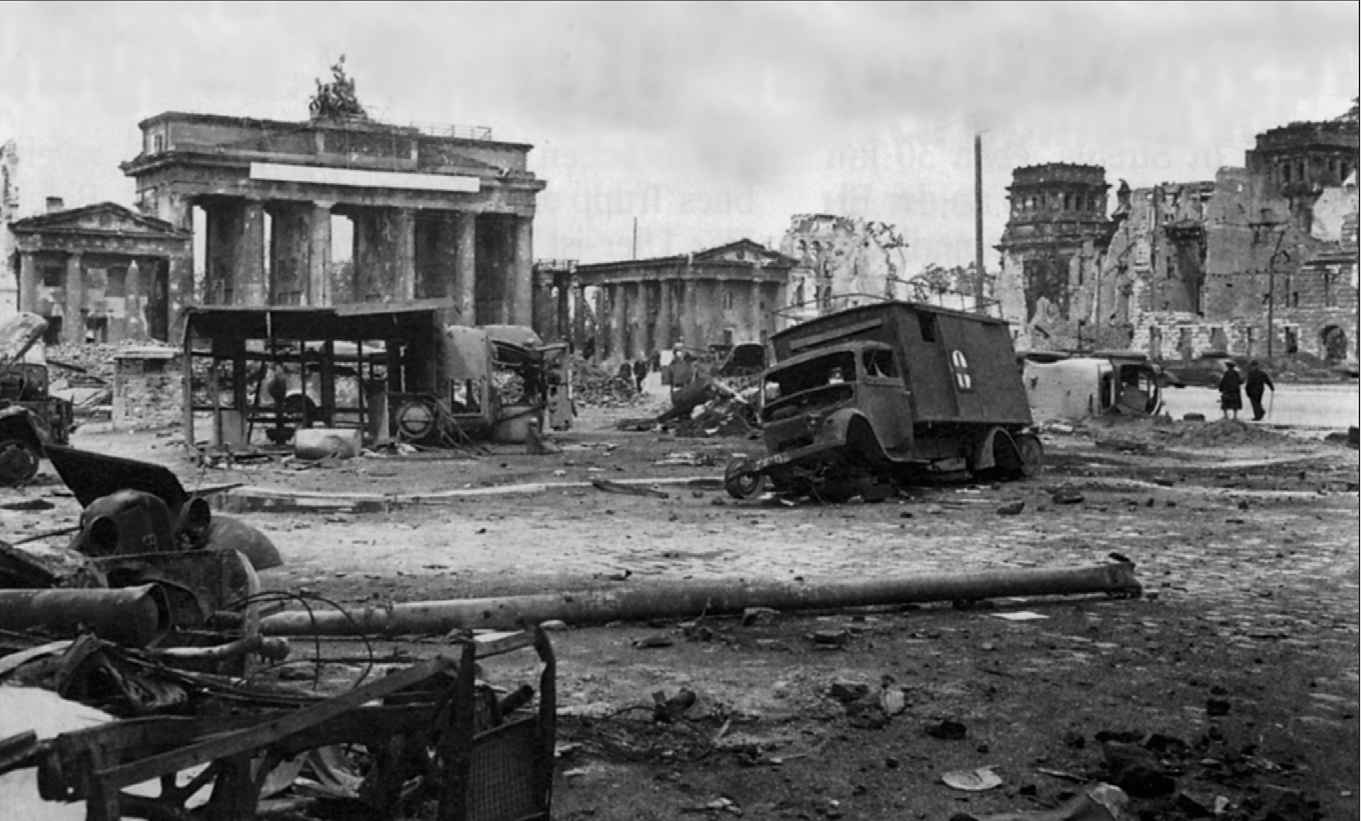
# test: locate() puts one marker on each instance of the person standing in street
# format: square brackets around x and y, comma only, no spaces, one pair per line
[1230,393]
[1258,381]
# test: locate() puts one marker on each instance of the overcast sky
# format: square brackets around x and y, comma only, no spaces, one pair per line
[707,121]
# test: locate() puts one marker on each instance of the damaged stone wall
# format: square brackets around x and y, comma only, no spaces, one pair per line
[147,388]
[853,260]
[1052,251]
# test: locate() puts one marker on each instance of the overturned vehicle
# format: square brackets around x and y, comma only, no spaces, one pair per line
[1073,387]
[866,398]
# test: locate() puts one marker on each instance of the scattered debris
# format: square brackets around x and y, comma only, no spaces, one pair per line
[630,490]
[1099,802]
[948,729]
[977,780]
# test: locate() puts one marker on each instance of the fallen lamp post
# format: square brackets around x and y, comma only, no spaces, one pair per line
[694,599]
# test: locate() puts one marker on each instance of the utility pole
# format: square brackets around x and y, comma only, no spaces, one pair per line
[978,221]
[1271,295]
[635,237]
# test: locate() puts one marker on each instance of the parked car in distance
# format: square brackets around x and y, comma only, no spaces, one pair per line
[1203,371]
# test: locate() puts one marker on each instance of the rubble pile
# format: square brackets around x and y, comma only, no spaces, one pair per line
[1226,432]
[724,416]
[97,359]
[595,387]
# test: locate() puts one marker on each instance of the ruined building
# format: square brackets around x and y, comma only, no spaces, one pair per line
[1182,269]
[434,212]
[100,273]
[722,296]
[842,263]
[1056,233]
[9,210]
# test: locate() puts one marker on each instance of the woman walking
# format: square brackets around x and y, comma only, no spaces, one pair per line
[1230,391]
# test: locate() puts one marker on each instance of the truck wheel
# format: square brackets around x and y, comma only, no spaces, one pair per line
[18,463]
[1030,450]
[741,481]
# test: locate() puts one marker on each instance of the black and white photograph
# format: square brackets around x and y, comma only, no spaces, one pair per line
[648,411]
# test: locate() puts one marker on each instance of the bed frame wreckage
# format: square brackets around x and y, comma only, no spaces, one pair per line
[163,623]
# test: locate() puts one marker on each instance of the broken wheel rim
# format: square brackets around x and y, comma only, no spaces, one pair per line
[18,463]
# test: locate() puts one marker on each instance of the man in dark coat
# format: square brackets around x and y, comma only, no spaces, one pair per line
[1230,394]
[1257,382]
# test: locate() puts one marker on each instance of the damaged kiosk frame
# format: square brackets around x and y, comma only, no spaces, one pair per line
[395,371]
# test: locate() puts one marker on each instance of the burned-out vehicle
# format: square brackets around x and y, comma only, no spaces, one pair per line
[1072,387]
[30,417]
[492,383]
[868,397]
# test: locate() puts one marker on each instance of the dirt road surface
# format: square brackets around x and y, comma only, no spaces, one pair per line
[1232,683]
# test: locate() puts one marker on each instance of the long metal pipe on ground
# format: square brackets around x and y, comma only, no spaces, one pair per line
[690,600]
[135,616]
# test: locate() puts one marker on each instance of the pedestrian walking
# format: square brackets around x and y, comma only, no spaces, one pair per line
[1257,382]
[1230,391]
[640,373]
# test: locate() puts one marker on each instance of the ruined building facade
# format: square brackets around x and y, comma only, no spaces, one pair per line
[9,211]
[721,296]
[1260,261]
[841,263]
[1054,239]
[100,273]
[434,213]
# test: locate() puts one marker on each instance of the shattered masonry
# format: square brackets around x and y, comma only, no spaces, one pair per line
[1179,269]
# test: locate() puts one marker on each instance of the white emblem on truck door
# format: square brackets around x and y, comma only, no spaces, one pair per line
[963,379]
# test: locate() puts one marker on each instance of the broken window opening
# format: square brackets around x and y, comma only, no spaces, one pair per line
[927,324]
[879,363]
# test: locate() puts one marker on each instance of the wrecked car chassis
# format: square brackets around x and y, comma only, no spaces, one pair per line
[432,732]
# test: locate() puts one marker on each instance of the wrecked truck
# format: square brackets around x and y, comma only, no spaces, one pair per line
[30,417]
[865,398]
[495,383]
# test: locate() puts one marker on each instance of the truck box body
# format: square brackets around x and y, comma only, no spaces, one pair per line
[958,367]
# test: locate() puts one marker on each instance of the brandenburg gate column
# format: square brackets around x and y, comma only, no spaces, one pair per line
[522,274]
[319,285]
[404,248]
[250,286]
[465,268]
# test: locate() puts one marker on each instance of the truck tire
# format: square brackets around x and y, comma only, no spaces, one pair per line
[741,481]
[1031,454]
[18,462]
